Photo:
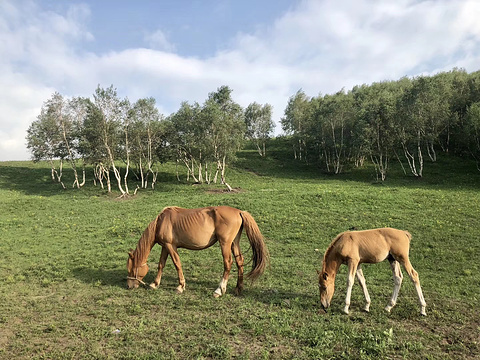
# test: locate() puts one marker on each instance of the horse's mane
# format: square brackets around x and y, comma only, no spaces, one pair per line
[330,248]
[145,242]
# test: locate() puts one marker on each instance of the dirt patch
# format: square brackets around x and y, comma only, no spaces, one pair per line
[225,191]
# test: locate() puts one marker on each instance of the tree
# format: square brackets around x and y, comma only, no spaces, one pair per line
[44,141]
[334,116]
[473,129]
[145,133]
[225,129]
[294,123]
[259,123]
[107,127]
[376,112]
[187,137]
[77,108]
[53,136]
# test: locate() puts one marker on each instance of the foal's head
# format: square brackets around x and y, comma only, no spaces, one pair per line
[326,285]
[136,272]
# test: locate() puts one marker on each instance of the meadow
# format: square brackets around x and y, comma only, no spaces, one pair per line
[63,267]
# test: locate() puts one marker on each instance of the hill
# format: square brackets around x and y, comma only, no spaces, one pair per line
[64,252]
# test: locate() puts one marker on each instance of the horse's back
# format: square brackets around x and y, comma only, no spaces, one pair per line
[374,245]
[199,228]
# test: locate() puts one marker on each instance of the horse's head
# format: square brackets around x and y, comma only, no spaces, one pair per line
[326,285]
[136,272]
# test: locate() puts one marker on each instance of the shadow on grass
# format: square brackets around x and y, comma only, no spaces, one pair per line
[114,277]
[448,172]
[34,179]
[275,297]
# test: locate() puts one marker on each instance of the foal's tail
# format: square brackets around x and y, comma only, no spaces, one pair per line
[409,236]
[260,255]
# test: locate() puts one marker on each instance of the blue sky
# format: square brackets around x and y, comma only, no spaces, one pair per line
[181,50]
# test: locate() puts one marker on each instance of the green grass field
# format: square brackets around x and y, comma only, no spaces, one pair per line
[64,252]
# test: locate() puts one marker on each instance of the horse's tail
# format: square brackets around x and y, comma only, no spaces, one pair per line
[409,236]
[260,255]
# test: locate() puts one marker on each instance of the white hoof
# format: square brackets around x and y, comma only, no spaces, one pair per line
[179,289]
[217,293]
[153,286]
[388,308]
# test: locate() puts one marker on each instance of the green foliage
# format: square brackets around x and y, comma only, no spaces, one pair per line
[259,123]
[407,120]
[64,257]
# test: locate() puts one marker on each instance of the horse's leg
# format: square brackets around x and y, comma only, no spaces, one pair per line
[416,281]
[161,265]
[227,265]
[178,265]
[352,269]
[361,280]
[239,260]
[397,281]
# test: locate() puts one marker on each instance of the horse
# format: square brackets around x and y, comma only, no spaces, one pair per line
[198,229]
[368,246]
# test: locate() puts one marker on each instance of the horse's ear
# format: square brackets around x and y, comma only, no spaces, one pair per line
[130,254]
[318,272]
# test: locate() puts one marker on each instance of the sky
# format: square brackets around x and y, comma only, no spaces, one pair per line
[179,50]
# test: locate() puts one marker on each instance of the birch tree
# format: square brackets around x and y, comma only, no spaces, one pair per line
[259,123]
[473,129]
[77,109]
[108,115]
[187,137]
[45,143]
[294,123]
[335,115]
[145,138]
[377,111]
[225,129]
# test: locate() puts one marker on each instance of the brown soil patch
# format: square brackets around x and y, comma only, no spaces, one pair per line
[225,191]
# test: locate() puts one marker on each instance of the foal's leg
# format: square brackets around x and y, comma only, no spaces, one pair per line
[361,280]
[416,281]
[227,265]
[352,268]
[161,265]
[397,280]
[178,265]
[239,260]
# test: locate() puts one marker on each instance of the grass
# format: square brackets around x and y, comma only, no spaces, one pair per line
[63,267]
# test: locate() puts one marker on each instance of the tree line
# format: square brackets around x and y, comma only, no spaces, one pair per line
[106,131]
[408,120]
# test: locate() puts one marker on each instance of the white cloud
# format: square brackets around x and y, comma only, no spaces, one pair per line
[158,41]
[318,46]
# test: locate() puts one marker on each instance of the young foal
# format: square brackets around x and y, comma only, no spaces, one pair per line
[369,246]
[198,229]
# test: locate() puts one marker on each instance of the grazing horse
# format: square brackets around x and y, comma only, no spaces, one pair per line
[198,229]
[369,246]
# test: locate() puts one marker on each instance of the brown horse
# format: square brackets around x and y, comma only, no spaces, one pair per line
[198,229]
[369,246]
